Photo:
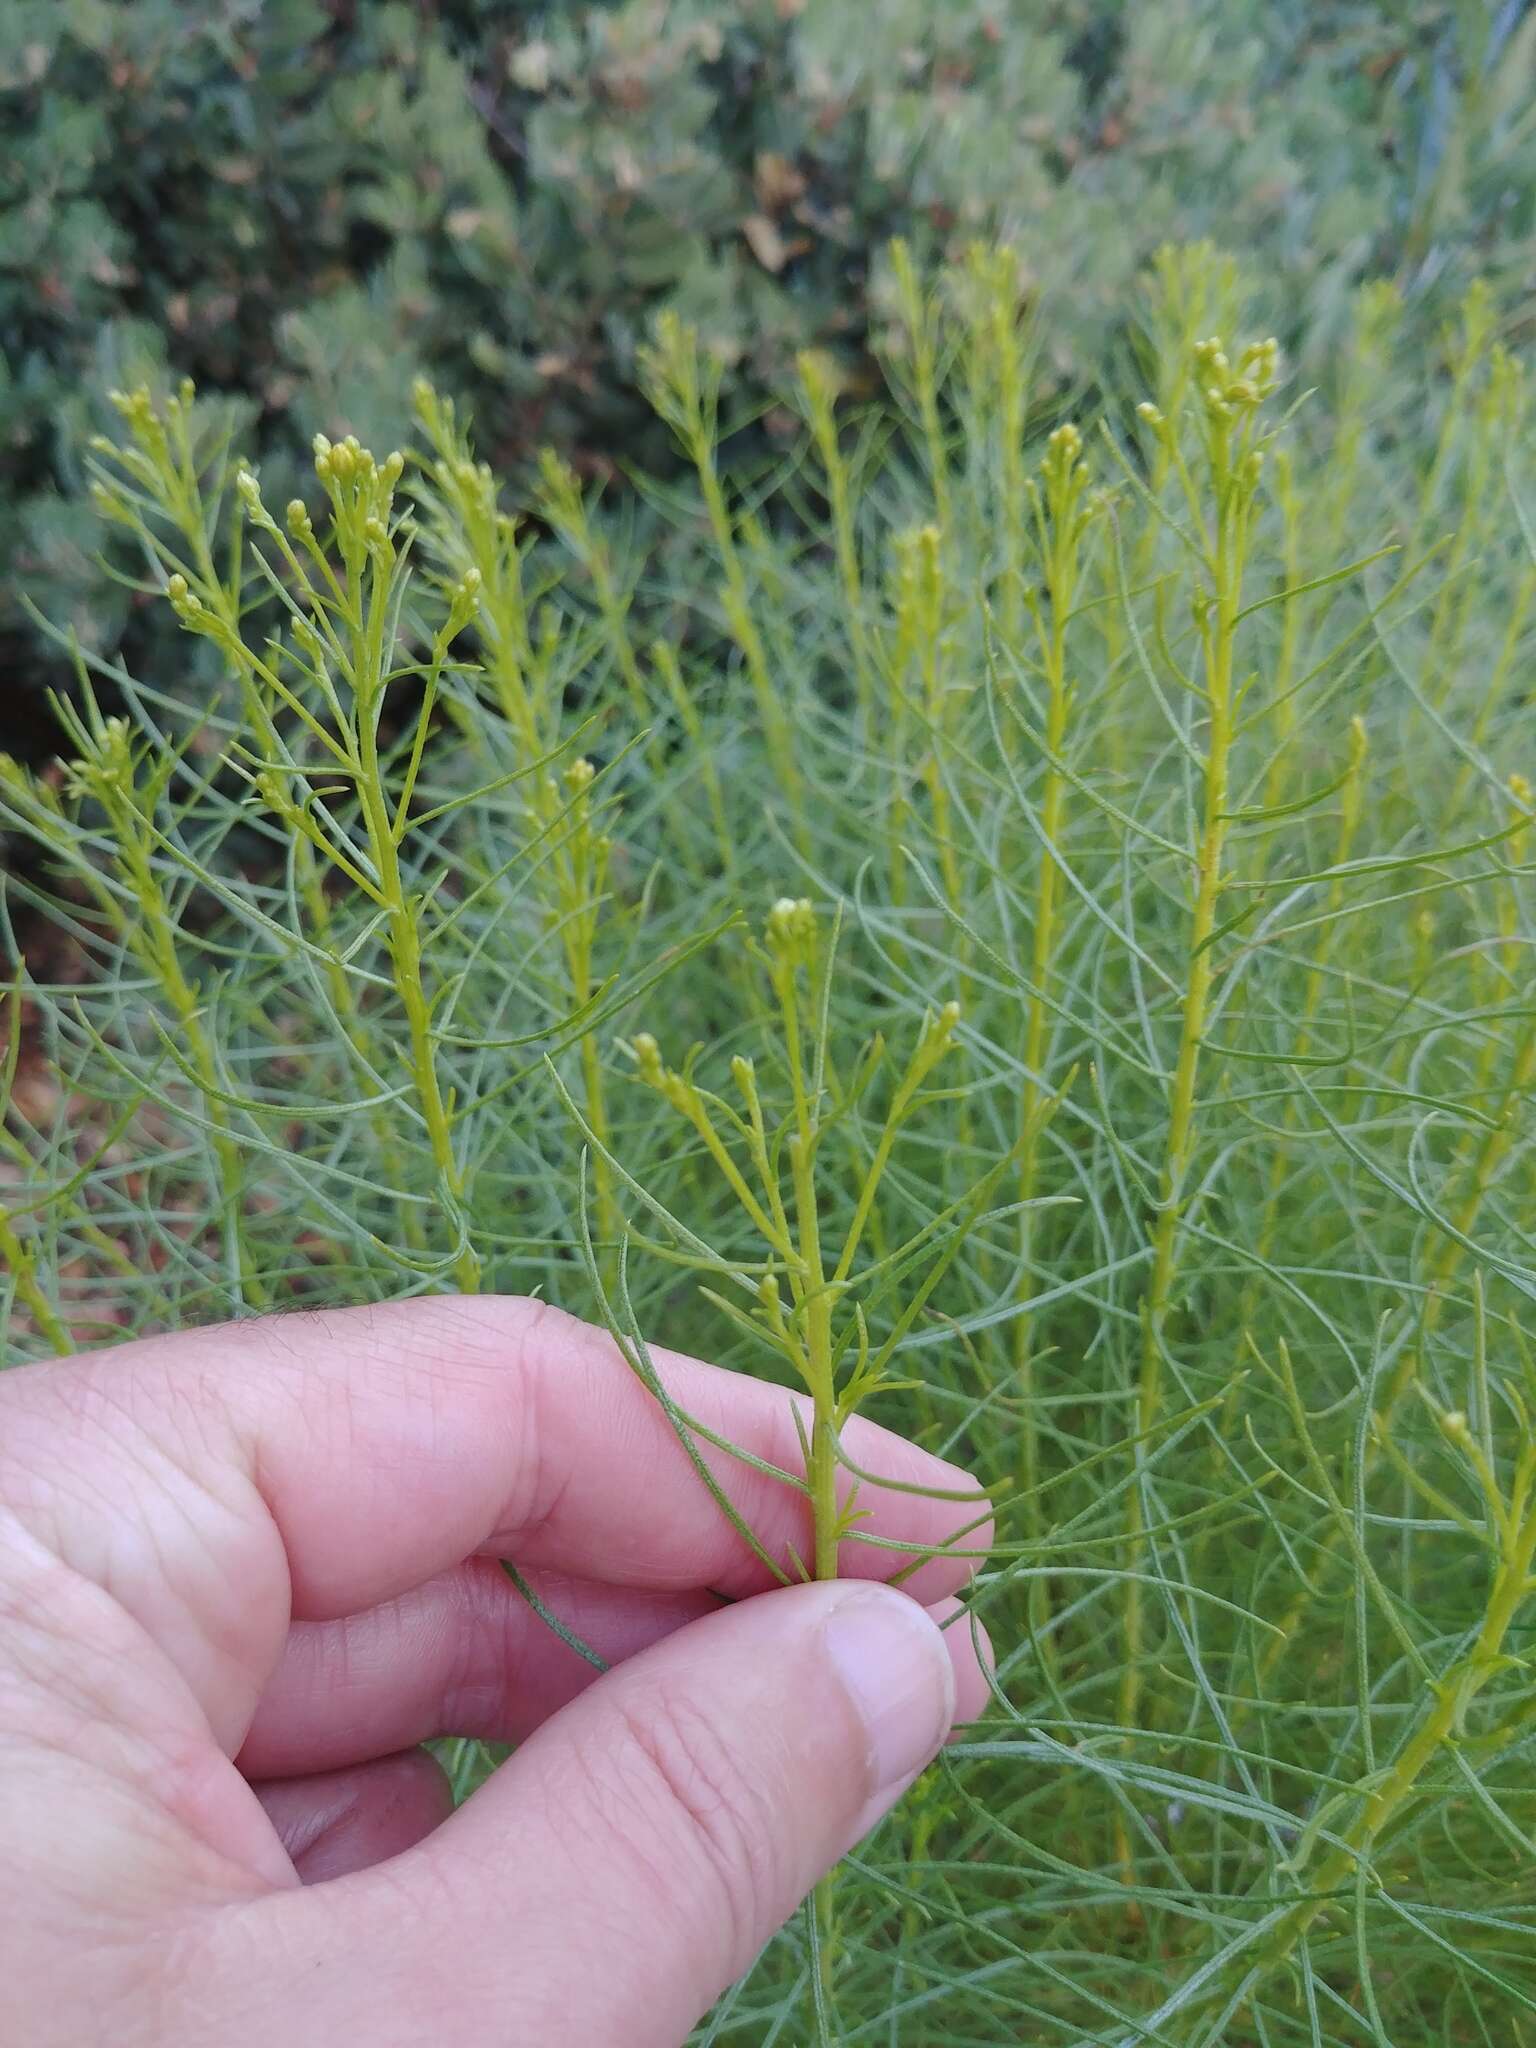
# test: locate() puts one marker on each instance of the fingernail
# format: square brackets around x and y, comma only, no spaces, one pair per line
[895,1668]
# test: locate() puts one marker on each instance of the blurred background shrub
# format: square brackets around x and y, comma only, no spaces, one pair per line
[302,205]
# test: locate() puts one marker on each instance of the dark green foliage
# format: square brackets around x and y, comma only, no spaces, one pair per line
[301,204]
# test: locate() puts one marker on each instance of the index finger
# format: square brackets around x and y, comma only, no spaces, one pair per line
[546,1448]
[387,1444]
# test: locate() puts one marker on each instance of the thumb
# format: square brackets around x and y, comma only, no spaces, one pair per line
[675,1815]
[636,1853]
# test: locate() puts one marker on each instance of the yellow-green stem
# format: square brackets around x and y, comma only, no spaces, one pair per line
[260,685]
[823,422]
[1060,552]
[605,1202]
[1289,500]
[1011,404]
[701,753]
[1351,810]
[1481,1172]
[920,313]
[1438,1722]
[1220,633]
[744,631]
[815,1299]
[19,1262]
[156,945]
[403,940]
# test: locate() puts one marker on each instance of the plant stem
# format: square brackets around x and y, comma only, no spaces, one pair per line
[582,872]
[1217,623]
[403,943]
[1181,1127]
[1438,1722]
[920,313]
[20,1262]
[1008,354]
[1289,500]
[1059,532]
[1478,1174]
[155,943]
[814,1301]
[687,402]
[818,392]
[1351,810]
[567,511]
[664,660]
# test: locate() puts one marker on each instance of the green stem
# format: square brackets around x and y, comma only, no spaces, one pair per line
[1351,811]
[20,1262]
[1218,633]
[584,880]
[815,1299]
[920,313]
[695,429]
[818,392]
[1059,536]
[664,658]
[1011,416]
[403,943]
[155,943]
[1437,1724]
[1481,1172]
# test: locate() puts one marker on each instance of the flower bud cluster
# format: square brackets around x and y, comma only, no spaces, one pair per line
[1067,476]
[1234,390]
[361,488]
[654,1072]
[104,768]
[791,932]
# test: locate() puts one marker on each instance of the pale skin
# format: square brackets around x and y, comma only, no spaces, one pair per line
[246,1571]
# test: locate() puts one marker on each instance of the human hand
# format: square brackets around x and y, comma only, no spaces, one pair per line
[245,1570]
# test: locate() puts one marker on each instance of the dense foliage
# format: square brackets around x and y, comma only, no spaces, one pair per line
[300,204]
[1017,916]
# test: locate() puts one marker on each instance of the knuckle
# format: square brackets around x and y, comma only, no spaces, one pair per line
[701,1800]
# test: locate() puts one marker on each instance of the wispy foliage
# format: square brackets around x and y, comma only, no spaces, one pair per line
[1019,922]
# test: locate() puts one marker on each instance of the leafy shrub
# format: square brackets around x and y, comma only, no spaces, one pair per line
[299,204]
[1182,747]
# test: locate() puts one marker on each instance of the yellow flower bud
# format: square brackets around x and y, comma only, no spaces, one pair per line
[791,928]
[648,1059]
[107,503]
